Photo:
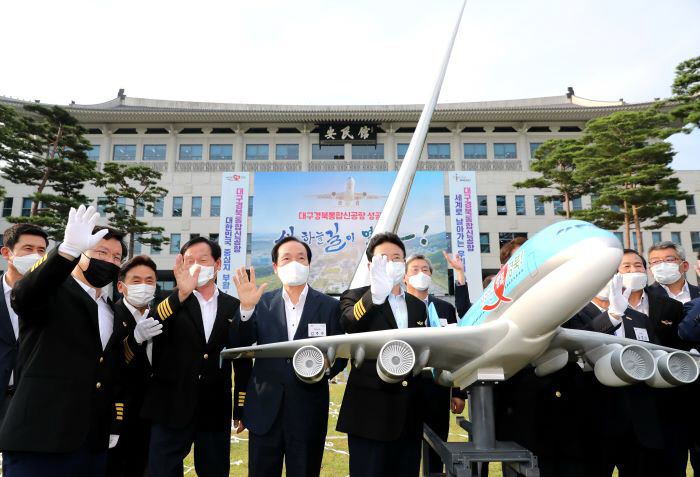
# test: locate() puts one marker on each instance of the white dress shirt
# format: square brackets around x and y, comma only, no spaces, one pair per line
[105,316]
[7,289]
[683,296]
[293,312]
[139,317]
[208,308]
[398,308]
[643,305]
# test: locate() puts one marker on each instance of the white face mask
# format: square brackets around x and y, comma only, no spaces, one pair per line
[420,281]
[140,295]
[396,270]
[24,263]
[205,274]
[293,273]
[604,293]
[634,280]
[666,273]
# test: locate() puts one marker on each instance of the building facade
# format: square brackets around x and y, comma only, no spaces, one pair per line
[191,144]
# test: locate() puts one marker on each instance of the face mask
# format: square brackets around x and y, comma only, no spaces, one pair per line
[604,294]
[666,273]
[205,274]
[293,273]
[420,281]
[634,280]
[100,273]
[140,295]
[396,270]
[24,263]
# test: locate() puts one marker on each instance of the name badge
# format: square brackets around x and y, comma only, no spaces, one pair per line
[317,329]
[443,321]
[641,334]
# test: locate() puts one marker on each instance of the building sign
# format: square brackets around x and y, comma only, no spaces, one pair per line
[465,227]
[354,133]
[233,227]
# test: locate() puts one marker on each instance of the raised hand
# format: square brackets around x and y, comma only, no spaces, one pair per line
[248,292]
[619,300]
[458,266]
[380,282]
[147,329]
[186,282]
[78,236]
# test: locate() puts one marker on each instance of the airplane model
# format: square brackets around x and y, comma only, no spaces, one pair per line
[349,196]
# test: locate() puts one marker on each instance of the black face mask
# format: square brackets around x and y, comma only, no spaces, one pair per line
[100,273]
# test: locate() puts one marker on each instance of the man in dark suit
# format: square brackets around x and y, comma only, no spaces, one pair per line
[24,245]
[189,397]
[137,284]
[65,411]
[437,400]
[383,421]
[287,418]
[669,267]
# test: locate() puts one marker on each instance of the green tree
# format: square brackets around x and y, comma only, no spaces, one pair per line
[686,93]
[556,161]
[627,163]
[127,190]
[44,148]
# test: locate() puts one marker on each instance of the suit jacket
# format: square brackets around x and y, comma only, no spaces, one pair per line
[274,387]
[372,408]
[689,328]
[8,347]
[666,314]
[188,384]
[658,289]
[462,303]
[68,387]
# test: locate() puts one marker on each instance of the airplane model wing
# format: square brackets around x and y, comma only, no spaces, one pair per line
[334,195]
[363,195]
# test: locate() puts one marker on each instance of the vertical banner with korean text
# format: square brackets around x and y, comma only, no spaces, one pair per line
[464,222]
[233,227]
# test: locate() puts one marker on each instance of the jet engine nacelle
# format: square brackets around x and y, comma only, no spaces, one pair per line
[622,366]
[395,360]
[309,364]
[673,369]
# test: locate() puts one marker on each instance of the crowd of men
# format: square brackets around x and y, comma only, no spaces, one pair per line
[92,387]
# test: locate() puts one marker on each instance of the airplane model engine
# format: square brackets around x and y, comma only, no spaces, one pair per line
[395,360]
[673,369]
[309,364]
[624,366]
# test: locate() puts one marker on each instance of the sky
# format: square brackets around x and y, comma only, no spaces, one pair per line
[347,52]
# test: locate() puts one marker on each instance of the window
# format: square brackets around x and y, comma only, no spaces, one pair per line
[124,152]
[215,209]
[695,241]
[287,152]
[140,209]
[155,249]
[676,238]
[633,237]
[257,152]
[215,238]
[101,204]
[576,204]
[533,148]
[519,205]
[483,204]
[190,152]
[194,236]
[137,244]
[174,244]
[438,151]
[401,149]
[158,206]
[475,151]
[177,206]
[619,237]
[615,208]
[655,237]
[196,207]
[154,152]
[220,152]
[485,243]
[671,206]
[366,151]
[505,150]
[26,207]
[121,203]
[501,208]
[505,237]
[690,205]
[7,206]
[327,152]
[94,153]
[539,205]
[558,207]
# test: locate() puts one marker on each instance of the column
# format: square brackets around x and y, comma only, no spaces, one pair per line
[390,146]
[456,146]
[305,146]
[238,150]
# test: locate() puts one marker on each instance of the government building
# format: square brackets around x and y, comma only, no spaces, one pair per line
[193,143]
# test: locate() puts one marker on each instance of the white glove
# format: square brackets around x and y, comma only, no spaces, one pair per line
[618,299]
[380,283]
[147,329]
[78,236]
[113,439]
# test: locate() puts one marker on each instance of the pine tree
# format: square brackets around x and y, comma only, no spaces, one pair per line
[686,93]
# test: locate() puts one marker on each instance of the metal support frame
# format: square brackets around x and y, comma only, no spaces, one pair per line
[470,459]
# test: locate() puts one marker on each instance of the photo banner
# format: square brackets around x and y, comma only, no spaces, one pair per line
[233,227]
[464,222]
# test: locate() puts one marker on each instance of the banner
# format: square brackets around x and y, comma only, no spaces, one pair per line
[464,222]
[233,227]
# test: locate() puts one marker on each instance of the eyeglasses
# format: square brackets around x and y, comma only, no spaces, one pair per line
[665,260]
[106,256]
